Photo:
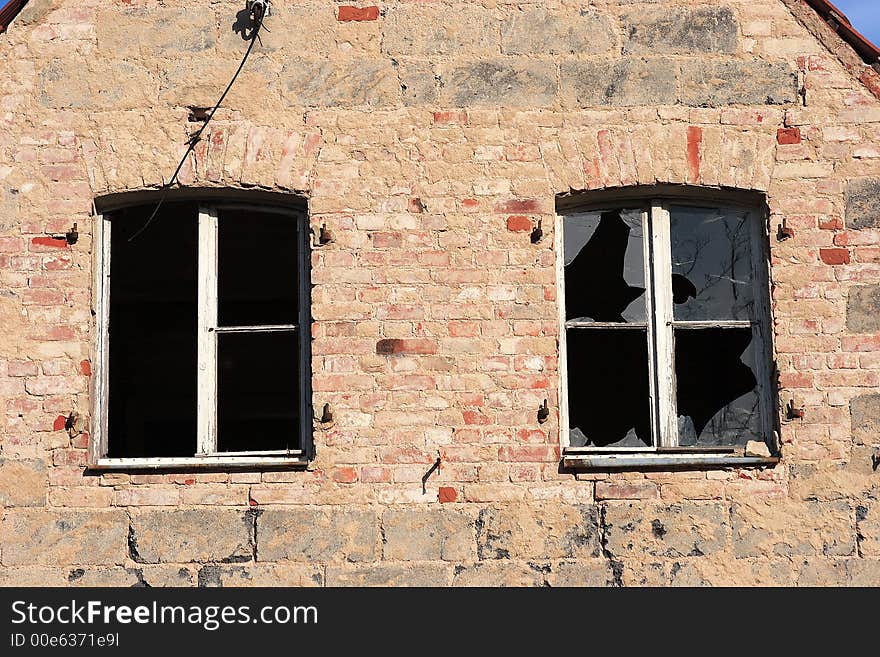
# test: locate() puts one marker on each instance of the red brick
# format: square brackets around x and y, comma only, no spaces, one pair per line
[788,136]
[349,13]
[59,423]
[694,139]
[475,417]
[346,475]
[834,256]
[85,368]
[406,346]
[447,494]
[833,223]
[51,242]
[519,224]
[443,118]
[518,205]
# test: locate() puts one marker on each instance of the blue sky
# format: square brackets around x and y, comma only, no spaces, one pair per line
[864,15]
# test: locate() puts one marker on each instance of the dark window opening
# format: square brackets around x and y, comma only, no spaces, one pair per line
[692,373]
[207,332]
[152,329]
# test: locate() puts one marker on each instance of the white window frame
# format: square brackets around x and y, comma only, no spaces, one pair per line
[665,452]
[207,456]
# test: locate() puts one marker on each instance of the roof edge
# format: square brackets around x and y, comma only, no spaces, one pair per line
[838,22]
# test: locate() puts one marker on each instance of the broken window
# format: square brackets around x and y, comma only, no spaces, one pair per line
[203,336]
[665,321]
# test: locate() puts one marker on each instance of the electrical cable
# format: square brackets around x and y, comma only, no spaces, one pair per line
[195,138]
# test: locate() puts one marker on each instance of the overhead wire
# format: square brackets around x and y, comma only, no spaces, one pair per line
[196,137]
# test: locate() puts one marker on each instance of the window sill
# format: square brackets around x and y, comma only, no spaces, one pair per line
[201,463]
[643,461]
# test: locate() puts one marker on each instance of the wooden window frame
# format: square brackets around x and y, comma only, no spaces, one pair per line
[206,456]
[664,451]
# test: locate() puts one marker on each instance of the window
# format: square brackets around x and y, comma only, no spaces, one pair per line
[203,337]
[665,348]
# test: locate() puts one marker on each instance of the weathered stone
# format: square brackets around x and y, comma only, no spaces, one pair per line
[734,81]
[30,576]
[622,82]
[823,572]
[542,32]
[418,83]
[789,529]
[384,574]
[155,31]
[191,535]
[23,483]
[868,525]
[757,448]
[339,83]
[863,572]
[509,82]
[162,575]
[128,577]
[499,573]
[64,84]
[865,419]
[833,481]
[28,536]
[520,531]
[863,203]
[298,575]
[419,535]
[426,30]
[34,11]
[681,30]
[686,529]
[721,570]
[334,534]
[196,83]
[863,309]
[593,572]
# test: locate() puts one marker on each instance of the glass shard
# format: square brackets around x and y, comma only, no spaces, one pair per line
[608,399]
[257,269]
[718,401]
[257,391]
[711,264]
[605,266]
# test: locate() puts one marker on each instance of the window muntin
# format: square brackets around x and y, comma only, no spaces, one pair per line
[238,389]
[694,374]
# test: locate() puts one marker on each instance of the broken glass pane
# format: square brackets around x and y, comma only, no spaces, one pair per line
[152,331]
[605,266]
[711,264]
[256,269]
[608,399]
[718,402]
[257,391]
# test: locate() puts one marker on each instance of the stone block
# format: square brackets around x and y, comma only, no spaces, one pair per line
[317,535]
[520,531]
[510,82]
[539,31]
[865,419]
[680,30]
[863,309]
[582,573]
[499,574]
[38,537]
[622,82]
[686,529]
[736,82]
[428,535]
[793,529]
[863,203]
[255,574]
[384,574]
[442,30]
[178,536]
[339,83]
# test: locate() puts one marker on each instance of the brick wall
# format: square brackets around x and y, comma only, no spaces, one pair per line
[429,137]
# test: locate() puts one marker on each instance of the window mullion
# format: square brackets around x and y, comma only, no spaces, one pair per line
[562,365]
[99,447]
[207,335]
[661,268]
